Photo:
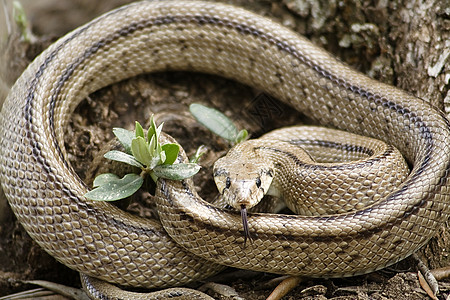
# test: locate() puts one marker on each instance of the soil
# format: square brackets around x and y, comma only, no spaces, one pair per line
[168,95]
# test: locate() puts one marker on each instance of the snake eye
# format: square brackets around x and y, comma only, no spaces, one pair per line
[258,182]
[228,206]
[228,183]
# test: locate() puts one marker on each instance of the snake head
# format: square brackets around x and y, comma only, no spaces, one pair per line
[243,177]
[242,183]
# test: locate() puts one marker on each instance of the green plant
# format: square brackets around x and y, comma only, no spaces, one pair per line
[22,23]
[217,123]
[145,152]
[151,158]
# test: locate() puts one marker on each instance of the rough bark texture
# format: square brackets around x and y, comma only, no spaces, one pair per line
[404,43]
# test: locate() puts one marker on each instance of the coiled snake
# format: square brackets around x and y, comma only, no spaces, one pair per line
[102,241]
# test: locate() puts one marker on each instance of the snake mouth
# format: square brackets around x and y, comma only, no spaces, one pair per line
[245,224]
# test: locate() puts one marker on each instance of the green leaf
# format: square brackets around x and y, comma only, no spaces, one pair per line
[123,157]
[159,129]
[242,136]
[155,162]
[176,171]
[171,151]
[116,189]
[139,131]
[140,151]
[152,146]
[200,151]
[152,129]
[158,144]
[124,136]
[103,179]
[162,156]
[155,154]
[215,121]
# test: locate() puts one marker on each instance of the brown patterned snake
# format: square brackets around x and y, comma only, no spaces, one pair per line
[102,241]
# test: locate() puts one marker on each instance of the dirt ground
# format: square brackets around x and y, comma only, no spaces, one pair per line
[168,95]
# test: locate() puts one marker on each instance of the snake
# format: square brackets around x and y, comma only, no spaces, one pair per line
[106,243]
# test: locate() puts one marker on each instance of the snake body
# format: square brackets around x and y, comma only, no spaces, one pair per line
[315,170]
[101,241]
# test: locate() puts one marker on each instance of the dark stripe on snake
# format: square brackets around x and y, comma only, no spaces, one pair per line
[335,145]
[294,158]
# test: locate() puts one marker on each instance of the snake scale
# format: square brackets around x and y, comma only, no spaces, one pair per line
[102,241]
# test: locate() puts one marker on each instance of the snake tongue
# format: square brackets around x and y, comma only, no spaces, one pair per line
[245,224]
